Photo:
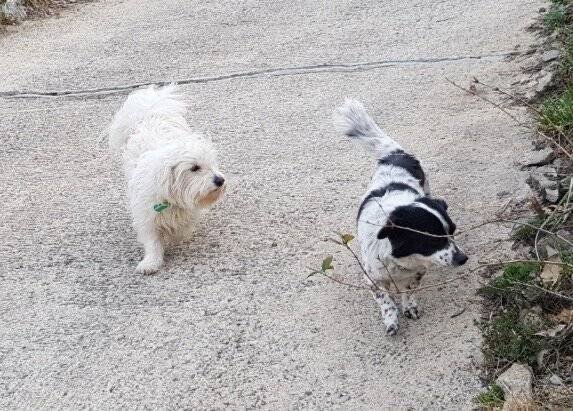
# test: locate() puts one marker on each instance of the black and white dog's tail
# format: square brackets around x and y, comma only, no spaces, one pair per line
[353,121]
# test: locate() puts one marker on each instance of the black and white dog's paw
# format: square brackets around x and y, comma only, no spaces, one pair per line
[412,312]
[392,329]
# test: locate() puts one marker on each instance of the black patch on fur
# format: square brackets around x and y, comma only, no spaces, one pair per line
[441,207]
[408,162]
[406,242]
[380,192]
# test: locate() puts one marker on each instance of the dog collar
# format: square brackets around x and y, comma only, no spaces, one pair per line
[159,207]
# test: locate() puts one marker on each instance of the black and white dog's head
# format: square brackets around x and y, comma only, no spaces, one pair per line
[419,235]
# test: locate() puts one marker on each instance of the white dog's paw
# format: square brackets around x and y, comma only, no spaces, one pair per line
[148,266]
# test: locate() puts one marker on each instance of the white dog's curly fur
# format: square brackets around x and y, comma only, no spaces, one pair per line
[172,173]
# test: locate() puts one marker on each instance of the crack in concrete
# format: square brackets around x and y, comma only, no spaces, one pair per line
[274,72]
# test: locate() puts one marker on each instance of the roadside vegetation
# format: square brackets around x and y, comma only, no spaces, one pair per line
[528,310]
[15,11]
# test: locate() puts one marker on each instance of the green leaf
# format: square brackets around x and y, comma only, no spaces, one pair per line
[327,263]
[161,206]
[346,238]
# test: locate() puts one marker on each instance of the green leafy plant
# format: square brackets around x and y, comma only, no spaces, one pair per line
[508,338]
[508,286]
[557,113]
[556,17]
[526,232]
[492,398]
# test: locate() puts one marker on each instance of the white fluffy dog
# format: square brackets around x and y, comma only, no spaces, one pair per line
[171,171]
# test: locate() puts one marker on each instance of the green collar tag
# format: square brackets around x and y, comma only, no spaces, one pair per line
[159,207]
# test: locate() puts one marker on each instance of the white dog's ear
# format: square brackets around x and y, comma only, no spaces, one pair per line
[171,182]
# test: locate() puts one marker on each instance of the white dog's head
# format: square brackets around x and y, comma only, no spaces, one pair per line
[191,174]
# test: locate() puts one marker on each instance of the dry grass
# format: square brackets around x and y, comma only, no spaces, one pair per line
[14,11]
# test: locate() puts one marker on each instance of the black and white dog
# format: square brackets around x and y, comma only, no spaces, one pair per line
[394,216]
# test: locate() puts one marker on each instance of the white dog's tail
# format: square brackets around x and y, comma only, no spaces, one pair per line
[140,104]
[353,121]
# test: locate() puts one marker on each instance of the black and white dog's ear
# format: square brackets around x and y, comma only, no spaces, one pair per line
[398,217]
[384,232]
[442,203]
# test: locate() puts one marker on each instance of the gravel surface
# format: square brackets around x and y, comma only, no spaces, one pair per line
[231,321]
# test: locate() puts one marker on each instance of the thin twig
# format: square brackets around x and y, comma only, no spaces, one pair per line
[471,228]
[389,275]
[493,103]
[360,264]
[434,285]
[529,105]
[457,314]
[514,118]
[544,290]
[543,224]
[336,280]
[524,261]
[473,270]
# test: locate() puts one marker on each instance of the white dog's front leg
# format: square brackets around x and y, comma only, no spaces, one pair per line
[153,247]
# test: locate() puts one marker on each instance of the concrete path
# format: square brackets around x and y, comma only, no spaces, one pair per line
[231,321]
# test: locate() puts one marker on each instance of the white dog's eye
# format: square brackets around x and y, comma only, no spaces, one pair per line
[195,168]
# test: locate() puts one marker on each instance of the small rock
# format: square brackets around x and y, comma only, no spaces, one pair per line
[560,163]
[530,96]
[13,11]
[538,157]
[544,179]
[552,66]
[539,174]
[544,82]
[516,382]
[523,194]
[547,171]
[530,64]
[542,9]
[550,55]
[551,195]
[556,380]
[565,183]
[551,242]
[524,80]
[520,404]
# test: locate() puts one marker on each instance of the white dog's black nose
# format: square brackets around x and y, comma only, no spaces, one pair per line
[218,181]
